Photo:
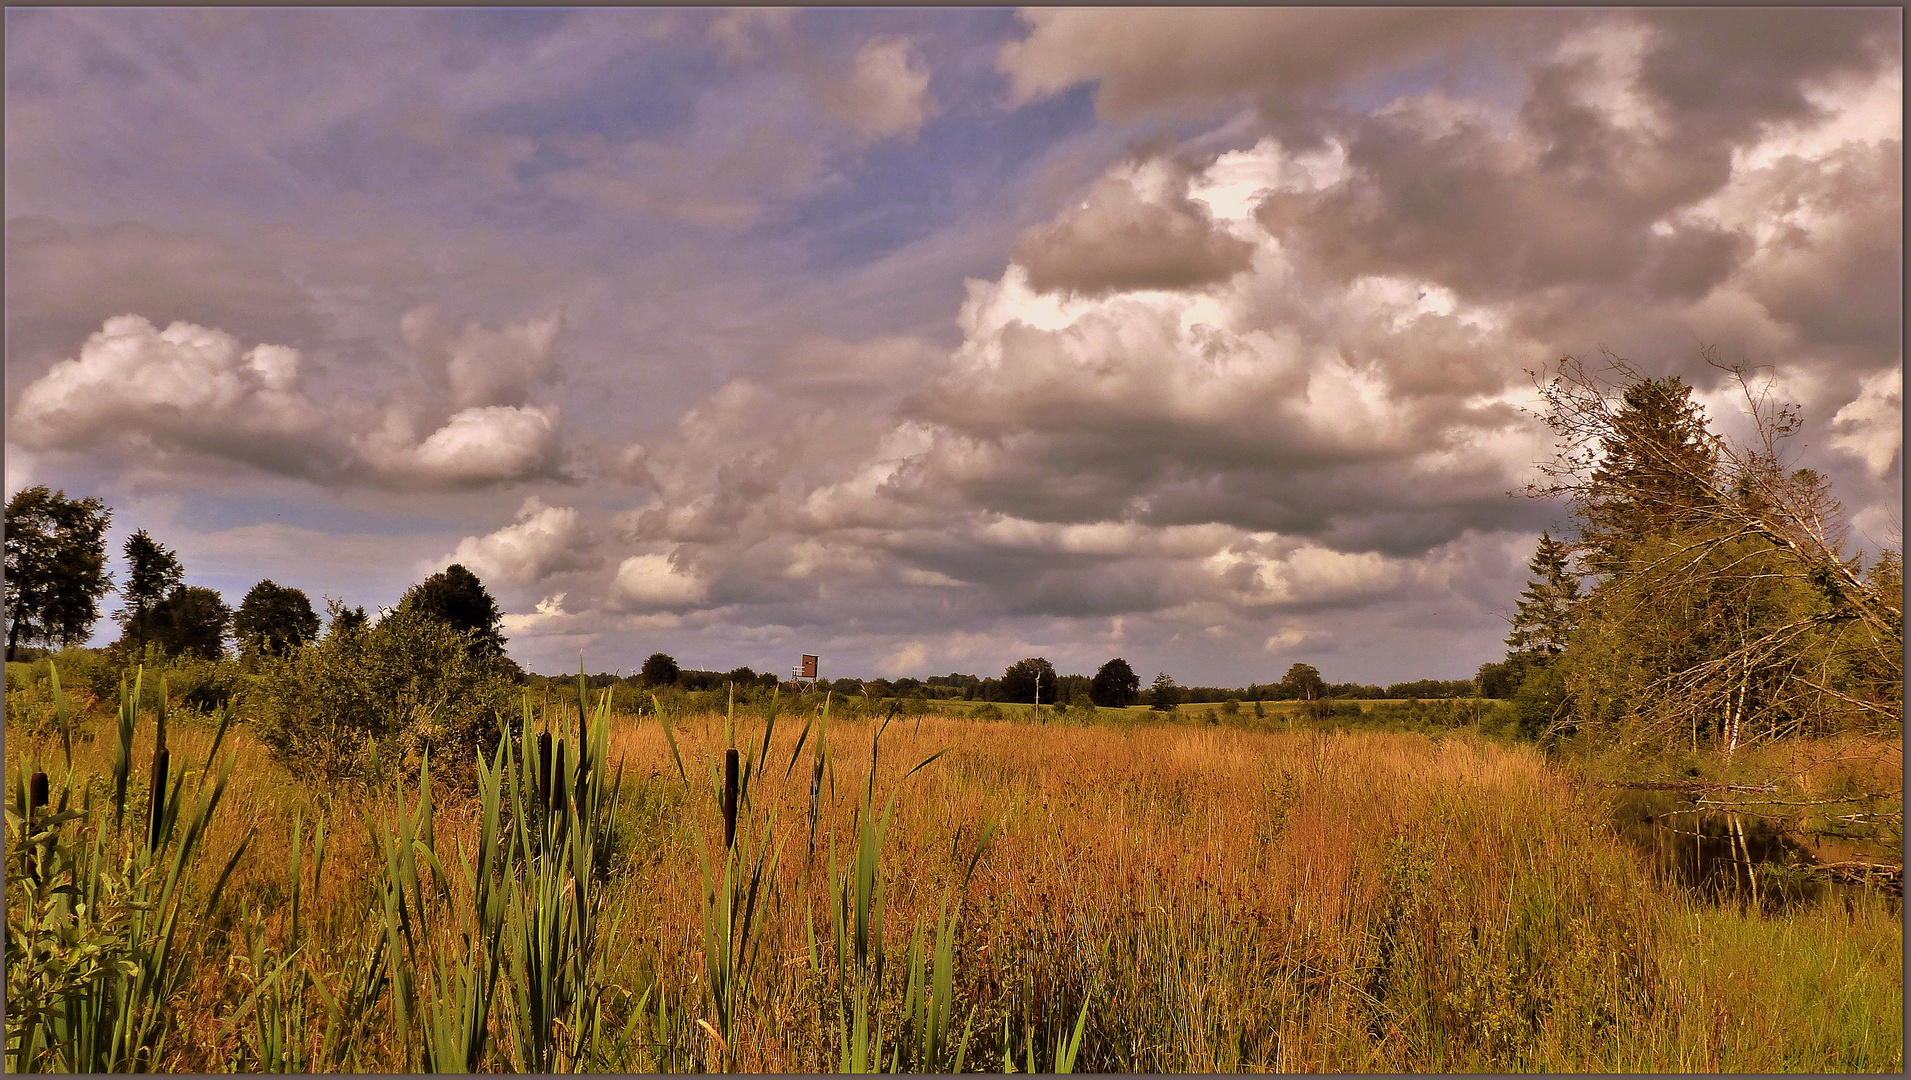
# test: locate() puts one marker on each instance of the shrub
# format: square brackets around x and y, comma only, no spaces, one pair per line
[1083,712]
[988,710]
[30,706]
[406,685]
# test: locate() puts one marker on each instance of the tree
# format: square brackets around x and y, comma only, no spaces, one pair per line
[407,686]
[1545,619]
[1724,601]
[275,619]
[153,571]
[1302,681]
[455,597]
[345,621]
[191,620]
[1164,693]
[55,566]
[1655,472]
[660,669]
[1496,679]
[1116,685]
[1025,679]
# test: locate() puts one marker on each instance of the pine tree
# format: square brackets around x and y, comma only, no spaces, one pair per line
[1545,618]
[1657,468]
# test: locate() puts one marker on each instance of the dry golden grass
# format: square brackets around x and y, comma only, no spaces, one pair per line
[1221,899]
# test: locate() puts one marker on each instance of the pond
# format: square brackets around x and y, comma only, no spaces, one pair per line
[1743,859]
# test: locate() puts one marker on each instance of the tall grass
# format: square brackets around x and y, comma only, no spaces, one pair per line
[939,894]
[101,931]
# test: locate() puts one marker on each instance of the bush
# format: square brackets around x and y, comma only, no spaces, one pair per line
[30,705]
[408,685]
[988,710]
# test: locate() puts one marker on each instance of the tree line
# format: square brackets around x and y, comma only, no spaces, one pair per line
[56,578]
[1034,680]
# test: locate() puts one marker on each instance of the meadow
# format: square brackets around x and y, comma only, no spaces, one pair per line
[931,892]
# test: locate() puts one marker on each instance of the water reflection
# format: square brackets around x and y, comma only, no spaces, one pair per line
[1730,858]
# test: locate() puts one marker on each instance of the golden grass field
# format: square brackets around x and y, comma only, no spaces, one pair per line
[1219,899]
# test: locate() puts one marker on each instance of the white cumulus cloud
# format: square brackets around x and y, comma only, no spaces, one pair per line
[544,540]
[652,582]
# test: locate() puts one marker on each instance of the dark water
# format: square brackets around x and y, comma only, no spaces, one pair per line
[1737,859]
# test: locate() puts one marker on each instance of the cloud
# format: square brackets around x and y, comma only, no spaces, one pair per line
[1872,426]
[654,582]
[885,93]
[741,33]
[550,610]
[1117,240]
[544,540]
[191,392]
[1146,58]
[186,388]
[485,366]
[477,446]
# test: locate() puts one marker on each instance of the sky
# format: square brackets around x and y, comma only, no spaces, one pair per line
[927,340]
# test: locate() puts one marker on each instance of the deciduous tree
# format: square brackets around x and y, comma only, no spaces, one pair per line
[1024,679]
[55,566]
[455,597]
[660,669]
[1164,694]
[1116,685]
[274,619]
[152,572]
[1303,682]
[191,620]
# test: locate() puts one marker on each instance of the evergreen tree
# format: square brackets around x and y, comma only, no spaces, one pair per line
[1545,618]
[1656,471]
[55,566]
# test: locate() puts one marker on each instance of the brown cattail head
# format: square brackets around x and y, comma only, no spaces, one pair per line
[729,797]
[544,764]
[36,791]
[156,815]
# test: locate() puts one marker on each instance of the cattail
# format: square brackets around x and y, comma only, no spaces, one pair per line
[36,802]
[729,797]
[544,768]
[160,761]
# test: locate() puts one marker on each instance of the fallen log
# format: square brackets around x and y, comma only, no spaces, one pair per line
[1885,874]
[1690,785]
